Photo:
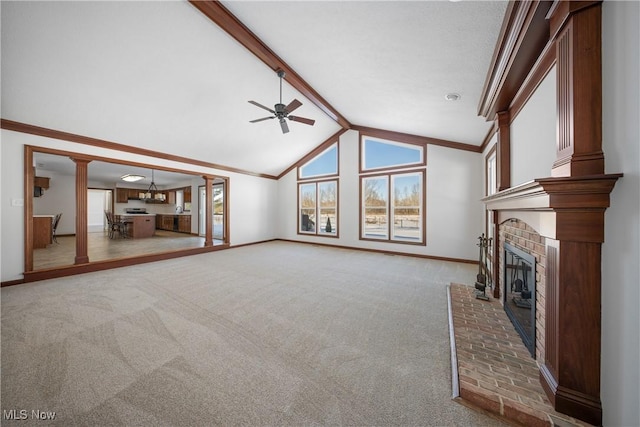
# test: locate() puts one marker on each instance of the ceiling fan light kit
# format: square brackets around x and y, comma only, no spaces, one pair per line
[281,111]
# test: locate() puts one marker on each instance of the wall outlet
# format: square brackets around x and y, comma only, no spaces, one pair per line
[17,202]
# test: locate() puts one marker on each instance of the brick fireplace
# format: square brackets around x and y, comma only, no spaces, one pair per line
[560,222]
[523,284]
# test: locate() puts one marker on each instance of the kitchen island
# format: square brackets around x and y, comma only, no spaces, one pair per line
[140,225]
[42,231]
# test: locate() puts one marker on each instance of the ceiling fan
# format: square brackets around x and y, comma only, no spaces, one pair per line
[281,111]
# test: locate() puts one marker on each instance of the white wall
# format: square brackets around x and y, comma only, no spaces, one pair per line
[251,198]
[621,249]
[454,213]
[533,134]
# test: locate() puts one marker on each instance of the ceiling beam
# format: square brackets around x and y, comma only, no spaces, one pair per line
[236,29]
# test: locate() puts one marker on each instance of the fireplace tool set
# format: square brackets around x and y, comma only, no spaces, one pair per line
[483,279]
[520,285]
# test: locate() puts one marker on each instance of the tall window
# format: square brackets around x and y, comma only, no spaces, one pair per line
[318,198]
[491,171]
[318,208]
[393,203]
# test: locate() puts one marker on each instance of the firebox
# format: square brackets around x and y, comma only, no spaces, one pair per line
[519,293]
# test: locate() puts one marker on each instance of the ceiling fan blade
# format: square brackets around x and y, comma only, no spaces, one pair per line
[262,106]
[302,120]
[284,126]
[292,105]
[259,120]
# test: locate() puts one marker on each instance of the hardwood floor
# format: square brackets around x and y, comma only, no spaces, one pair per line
[101,247]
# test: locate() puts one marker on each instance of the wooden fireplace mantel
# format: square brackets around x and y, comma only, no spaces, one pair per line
[577,192]
[569,213]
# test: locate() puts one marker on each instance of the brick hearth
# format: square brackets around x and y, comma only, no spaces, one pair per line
[496,372]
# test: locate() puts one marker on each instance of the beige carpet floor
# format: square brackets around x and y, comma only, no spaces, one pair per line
[264,335]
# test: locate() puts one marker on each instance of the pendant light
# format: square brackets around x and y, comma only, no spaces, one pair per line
[152,193]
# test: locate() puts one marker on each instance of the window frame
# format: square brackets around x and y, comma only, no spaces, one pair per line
[325,175]
[317,230]
[490,159]
[361,154]
[390,207]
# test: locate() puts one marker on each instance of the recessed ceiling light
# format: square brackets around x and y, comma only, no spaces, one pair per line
[131,177]
[452,96]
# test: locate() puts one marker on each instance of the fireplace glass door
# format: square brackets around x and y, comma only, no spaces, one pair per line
[520,293]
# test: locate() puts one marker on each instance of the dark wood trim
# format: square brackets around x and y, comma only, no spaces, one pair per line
[523,36]
[414,139]
[329,141]
[379,251]
[503,155]
[221,16]
[579,93]
[91,157]
[29,175]
[94,142]
[225,207]
[561,11]
[496,253]
[12,283]
[208,210]
[82,180]
[570,215]
[71,270]
[487,139]
[486,168]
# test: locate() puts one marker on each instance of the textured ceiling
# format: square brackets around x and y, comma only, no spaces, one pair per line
[162,76]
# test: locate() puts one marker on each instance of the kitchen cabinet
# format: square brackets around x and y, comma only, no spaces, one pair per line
[180,223]
[40,181]
[184,223]
[168,222]
[187,194]
[122,195]
[134,193]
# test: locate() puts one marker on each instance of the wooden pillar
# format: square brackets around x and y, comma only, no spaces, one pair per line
[497,280]
[208,211]
[570,374]
[579,88]
[503,151]
[29,174]
[82,256]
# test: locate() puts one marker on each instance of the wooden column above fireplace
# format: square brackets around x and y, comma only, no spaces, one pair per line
[569,212]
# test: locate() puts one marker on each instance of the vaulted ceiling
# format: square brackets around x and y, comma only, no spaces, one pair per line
[164,76]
